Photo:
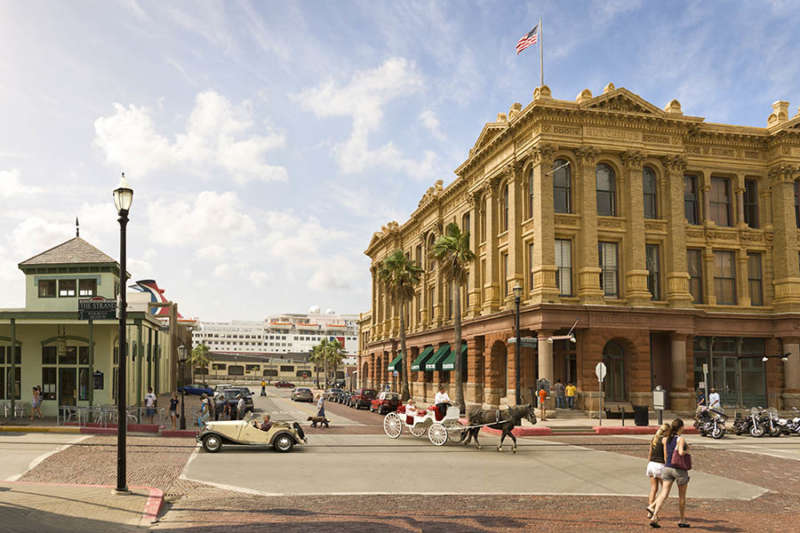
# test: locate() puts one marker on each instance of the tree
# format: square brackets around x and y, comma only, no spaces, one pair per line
[400,275]
[199,358]
[453,256]
[335,355]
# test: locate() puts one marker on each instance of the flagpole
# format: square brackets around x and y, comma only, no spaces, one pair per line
[541,54]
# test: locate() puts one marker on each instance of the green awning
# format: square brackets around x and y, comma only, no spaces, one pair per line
[435,362]
[449,363]
[421,358]
[396,363]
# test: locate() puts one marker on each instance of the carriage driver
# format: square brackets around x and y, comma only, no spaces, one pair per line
[442,401]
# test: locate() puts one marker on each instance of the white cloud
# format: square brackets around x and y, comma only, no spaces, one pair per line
[431,122]
[218,134]
[12,187]
[222,270]
[258,278]
[363,99]
[337,273]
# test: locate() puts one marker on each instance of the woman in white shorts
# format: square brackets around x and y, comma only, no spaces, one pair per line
[655,466]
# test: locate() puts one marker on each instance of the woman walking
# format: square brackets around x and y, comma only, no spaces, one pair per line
[655,466]
[676,466]
[36,402]
[173,410]
[204,411]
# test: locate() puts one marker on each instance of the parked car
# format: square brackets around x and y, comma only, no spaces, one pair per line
[282,436]
[386,402]
[302,394]
[344,397]
[232,399]
[221,386]
[362,398]
[332,394]
[196,388]
[284,384]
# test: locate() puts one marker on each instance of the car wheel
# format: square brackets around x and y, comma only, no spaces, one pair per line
[212,443]
[283,443]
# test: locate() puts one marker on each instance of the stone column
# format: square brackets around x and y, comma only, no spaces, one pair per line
[742,286]
[589,290]
[677,289]
[515,249]
[636,292]
[786,276]
[791,373]
[708,277]
[473,388]
[679,394]
[740,223]
[544,261]
[474,289]
[545,355]
[705,177]
[511,364]
[491,281]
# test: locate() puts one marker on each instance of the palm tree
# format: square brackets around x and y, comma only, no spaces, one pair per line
[335,354]
[453,256]
[316,357]
[199,358]
[400,275]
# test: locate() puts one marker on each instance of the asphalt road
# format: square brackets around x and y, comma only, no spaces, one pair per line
[23,451]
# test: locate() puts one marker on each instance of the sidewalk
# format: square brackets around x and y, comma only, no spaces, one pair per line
[43,507]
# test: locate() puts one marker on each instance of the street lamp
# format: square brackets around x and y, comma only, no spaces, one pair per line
[517,293]
[123,198]
[182,361]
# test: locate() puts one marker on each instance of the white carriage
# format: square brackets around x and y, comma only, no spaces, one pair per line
[421,422]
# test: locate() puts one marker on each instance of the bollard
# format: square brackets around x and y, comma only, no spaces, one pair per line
[622,415]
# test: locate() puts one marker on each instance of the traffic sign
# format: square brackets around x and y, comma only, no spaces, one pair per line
[600,371]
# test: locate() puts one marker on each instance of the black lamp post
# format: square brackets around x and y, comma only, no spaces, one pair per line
[182,361]
[517,294]
[123,198]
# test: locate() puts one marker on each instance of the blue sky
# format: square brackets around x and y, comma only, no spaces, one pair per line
[267,141]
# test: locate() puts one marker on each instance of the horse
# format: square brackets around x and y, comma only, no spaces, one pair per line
[503,419]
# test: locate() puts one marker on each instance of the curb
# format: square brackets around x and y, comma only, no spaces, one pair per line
[542,431]
[179,433]
[41,429]
[635,430]
[92,430]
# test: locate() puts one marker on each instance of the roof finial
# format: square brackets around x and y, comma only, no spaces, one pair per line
[77,227]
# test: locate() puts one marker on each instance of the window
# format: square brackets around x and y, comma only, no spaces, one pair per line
[49,383]
[754,279]
[235,370]
[419,307]
[504,273]
[49,355]
[606,191]
[650,188]
[694,259]
[465,223]
[797,203]
[287,368]
[607,252]
[431,260]
[66,287]
[564,266]
[751,203]
[270,373]
[530,194]
[87,287]
[725,278]
[721,201]
[431,294]
[505,207]
[690,201]
[653,270]
[530,264]
[562,182]
[47,288]
[483,220]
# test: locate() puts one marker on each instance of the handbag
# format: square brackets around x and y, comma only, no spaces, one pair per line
[684,462]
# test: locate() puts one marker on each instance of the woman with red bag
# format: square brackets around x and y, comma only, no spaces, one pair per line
[677,464]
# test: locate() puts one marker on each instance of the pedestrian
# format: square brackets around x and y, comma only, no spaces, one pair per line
[240,407]
[219,405]
[150,401]
[36,402]
[655,466]
[542,398]
[713,400]
[701,398]
[321,405]
[676,465]
[204,411]
[561,400]
[263,388]
[233,408]
[570,391]
[173,410]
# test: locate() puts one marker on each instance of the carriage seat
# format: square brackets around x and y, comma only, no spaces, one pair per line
[401,408]
[437,413]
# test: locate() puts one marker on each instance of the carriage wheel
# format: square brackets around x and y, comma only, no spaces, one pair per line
[392,425]
[419,429]
[437,434]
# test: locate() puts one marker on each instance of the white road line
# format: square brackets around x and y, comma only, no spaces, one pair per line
[188,462]
[33,464]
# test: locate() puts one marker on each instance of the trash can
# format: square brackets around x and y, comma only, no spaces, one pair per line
[640,415]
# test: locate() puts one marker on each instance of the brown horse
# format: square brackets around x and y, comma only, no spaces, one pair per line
[503,419]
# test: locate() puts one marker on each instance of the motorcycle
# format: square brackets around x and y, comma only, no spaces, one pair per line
[742,424]
[794,423]
[757,428]
[710,422]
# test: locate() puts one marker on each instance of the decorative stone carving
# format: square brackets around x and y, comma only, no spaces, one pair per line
[608,88]
[782,173]
[655,225]
[566,220]
[673,106]
[543,153]
[632,159]
[610,223]
[501,117]
[542,92]
[780,113]
[584,96]
[695,233]
[587,154]
[674,163]
[515,110]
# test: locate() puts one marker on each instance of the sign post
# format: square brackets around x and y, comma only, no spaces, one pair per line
[600,371]
[659,401]
[705,380]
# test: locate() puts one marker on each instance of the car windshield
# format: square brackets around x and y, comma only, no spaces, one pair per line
[368,393]
[303,390]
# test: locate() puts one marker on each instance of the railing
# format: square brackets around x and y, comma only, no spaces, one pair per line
[20,409]
[104,415]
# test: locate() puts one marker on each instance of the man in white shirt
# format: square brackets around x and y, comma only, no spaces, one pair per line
[150,401]
[321,405]
[713,400]
[240,407]
[442,400]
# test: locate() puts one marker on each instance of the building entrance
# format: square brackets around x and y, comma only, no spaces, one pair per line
[67,386]
[614,359]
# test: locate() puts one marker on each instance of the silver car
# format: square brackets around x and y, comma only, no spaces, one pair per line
[302,394]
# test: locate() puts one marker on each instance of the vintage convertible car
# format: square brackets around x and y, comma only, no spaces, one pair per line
[282,436]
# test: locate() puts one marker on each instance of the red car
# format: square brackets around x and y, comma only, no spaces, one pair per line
[362,398]
[386,402]
[284,384]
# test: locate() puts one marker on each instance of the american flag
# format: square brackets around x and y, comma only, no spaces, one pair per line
[529,39]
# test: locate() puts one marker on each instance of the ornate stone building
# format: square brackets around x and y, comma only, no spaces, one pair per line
[672,241]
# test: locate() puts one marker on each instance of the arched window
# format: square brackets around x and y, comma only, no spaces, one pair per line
[465,220]
[530,194]
[606,191]
[505,207]
[562,180]
[650,188]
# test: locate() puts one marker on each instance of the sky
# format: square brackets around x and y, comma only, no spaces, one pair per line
[267,141]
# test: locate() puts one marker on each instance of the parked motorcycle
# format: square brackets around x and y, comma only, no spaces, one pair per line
[742,424]
[794,423]
[757,428]
[710,422]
